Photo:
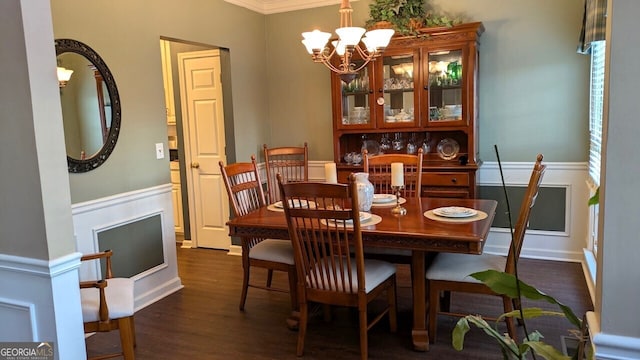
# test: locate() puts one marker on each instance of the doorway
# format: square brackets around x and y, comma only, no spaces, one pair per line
[199,223]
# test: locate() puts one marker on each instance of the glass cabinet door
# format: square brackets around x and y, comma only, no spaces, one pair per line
[356,99]
[398,100]
[445,83]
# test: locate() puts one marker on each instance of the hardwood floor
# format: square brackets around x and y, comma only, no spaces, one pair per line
[202,321]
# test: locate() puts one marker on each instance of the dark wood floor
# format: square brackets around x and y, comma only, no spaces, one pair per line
[202,321]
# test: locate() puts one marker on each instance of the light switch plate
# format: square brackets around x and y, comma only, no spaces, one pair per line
[159,151]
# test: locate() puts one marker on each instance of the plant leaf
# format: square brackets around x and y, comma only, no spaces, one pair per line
[595,199]
[546,351]
[530,313]
[462,327]
[505,284]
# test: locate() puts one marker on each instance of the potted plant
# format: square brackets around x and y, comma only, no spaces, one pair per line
[507,284]
[405,16]
[401,15]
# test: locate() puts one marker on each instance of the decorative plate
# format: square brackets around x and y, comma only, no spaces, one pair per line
[448,149]
[383,198]
[455,212]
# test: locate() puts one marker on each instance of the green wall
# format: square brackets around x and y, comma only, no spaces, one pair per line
[126,34]
[533,86]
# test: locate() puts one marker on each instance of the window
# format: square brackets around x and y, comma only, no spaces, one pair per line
[596,109]
[596,102]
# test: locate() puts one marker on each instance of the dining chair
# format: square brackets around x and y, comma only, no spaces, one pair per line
[379,169]
[244,188]
[324,225]
[108,304]
[449,272]
[291,162]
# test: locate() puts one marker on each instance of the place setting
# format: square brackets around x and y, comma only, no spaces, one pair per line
[386,200]
[366,219]
[278,206]
[456,214]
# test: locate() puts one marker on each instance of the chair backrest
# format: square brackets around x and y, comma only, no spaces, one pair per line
[291,162]
[320,216]
[243,185]
[379,169]
[523,217]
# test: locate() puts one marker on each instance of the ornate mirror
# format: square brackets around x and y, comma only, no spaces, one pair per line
[90,106]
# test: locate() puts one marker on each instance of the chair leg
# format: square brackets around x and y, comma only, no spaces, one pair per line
[127,337]
[445,301]
[293,287]
[245,283]
[393,308]
[269,277]
[362,315]
[508,307]
[302,327]
[434,300]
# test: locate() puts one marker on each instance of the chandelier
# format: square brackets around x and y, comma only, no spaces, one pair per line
[347,45]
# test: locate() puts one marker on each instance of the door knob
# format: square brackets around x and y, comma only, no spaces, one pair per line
[195,165]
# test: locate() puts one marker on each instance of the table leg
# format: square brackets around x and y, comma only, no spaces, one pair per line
[419,334]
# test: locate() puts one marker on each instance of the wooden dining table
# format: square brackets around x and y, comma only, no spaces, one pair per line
[413,231]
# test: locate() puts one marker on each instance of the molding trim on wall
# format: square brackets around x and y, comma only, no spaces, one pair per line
[278,6]
[89,218]
[37,299]
[609,346]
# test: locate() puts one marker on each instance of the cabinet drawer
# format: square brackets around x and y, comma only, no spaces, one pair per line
[445,179]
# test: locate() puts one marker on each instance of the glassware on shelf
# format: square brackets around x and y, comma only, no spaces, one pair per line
[385,143]
[398,142]
[412,148]
[426,146]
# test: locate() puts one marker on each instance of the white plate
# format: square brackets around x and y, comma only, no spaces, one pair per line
[455,212]
[364,216]
[294,204]
[383,198]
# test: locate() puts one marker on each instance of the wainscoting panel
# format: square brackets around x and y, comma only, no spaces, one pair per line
[40,301]
[140,217]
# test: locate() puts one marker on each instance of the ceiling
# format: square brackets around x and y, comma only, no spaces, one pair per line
[278,6]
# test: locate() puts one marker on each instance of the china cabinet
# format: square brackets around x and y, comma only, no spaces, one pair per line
[422,92]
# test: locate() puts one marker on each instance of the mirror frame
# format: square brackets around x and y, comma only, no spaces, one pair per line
[80,165]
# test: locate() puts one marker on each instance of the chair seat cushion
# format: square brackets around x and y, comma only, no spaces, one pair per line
[119,297]
[458,267]
[376,272]
[273,250]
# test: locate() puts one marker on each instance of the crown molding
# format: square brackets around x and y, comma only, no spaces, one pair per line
[278,6]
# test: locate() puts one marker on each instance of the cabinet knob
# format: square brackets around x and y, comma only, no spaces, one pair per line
[426,87]
[195,165]
[380,90]
[454,180]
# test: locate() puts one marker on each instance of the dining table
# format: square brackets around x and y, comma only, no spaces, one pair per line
[419,230]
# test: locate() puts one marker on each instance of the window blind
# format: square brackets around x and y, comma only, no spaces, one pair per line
[596,108]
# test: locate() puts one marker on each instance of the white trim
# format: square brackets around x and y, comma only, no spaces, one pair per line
[279,6]
[609,346]
[41,300]
[92,217]
[589,266]
[564,245]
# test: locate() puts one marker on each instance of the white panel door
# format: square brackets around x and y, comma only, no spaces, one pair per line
[203,124]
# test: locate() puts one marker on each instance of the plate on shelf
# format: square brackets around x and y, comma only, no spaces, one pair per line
[383,198]
[448,149]
[455,212]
